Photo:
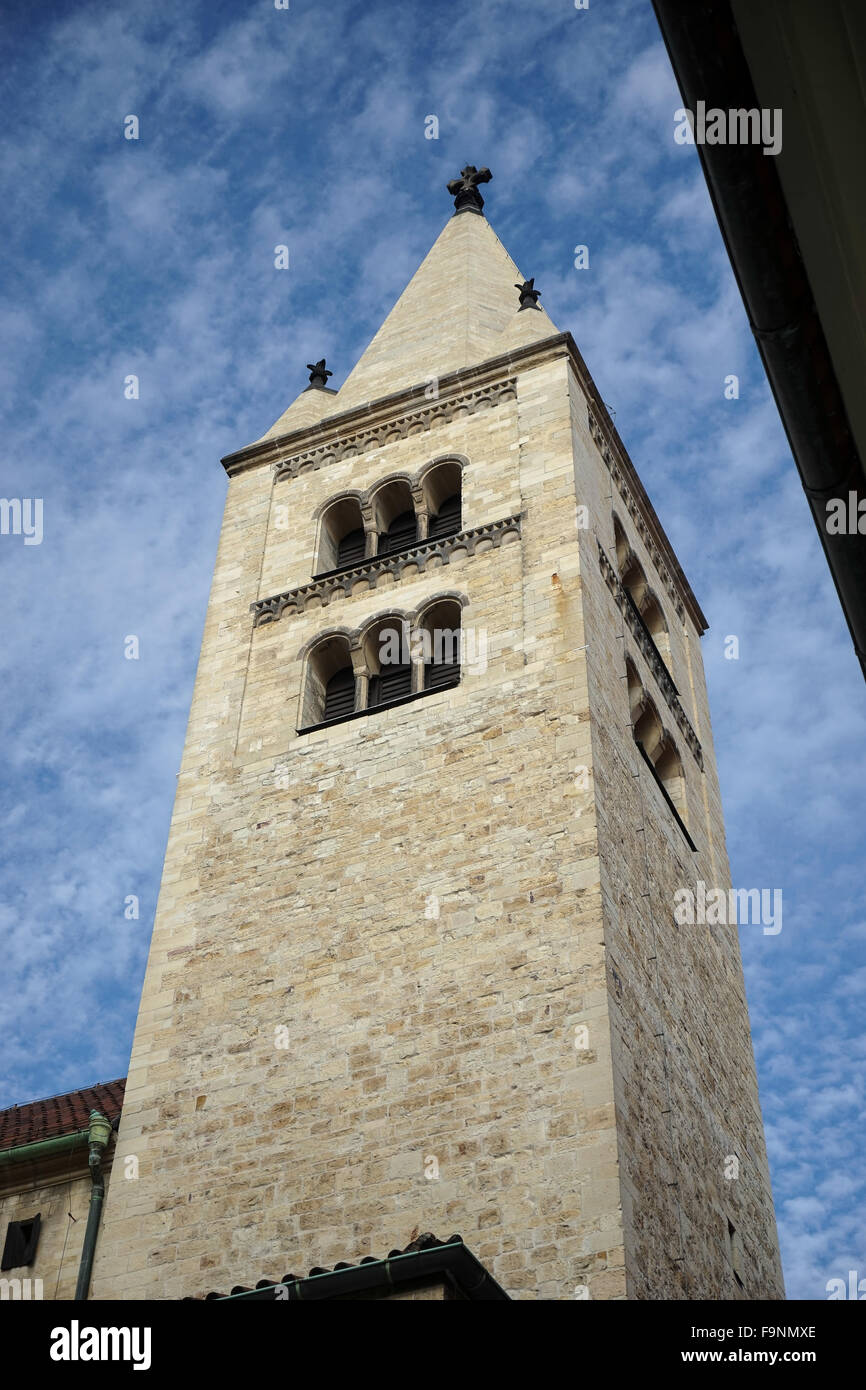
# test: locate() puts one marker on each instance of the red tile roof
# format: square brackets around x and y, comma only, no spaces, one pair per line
[47,1119]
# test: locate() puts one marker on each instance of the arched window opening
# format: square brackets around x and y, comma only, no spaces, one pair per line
[441,637]
[393,657]
[658,747]
[329,692]
[644,602]
[654,621]
[443,496]
[649,731]
[634,582]
[622,546]
[636,698]
[388,659]
[669,767]
[342,540]
[395,517]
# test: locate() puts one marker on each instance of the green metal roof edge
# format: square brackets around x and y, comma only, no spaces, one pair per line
[370,1266]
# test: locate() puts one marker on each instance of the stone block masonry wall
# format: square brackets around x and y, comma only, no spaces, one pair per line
[411,905]
[419,970]
[685,1086]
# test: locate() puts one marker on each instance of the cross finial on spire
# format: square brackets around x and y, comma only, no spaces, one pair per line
[318,373]
[465,189]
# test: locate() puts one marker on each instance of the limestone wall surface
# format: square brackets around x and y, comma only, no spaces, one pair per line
[418,971]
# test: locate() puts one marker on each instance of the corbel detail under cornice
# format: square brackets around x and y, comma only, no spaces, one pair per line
[653,660]
[412,422]
[617,471]
[390,409]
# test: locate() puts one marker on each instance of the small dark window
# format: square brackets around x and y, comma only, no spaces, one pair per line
[735,1250]
[447,520]
[340,694]
[22,1237]
[350,550]
[392,683]
[402,532]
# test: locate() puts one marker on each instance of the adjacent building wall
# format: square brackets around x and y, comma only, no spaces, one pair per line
[63,1204]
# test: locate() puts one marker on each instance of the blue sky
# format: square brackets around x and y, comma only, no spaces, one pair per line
[156,257]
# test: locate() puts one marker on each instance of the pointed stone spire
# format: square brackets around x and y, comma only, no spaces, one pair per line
[451,315]
[458,310]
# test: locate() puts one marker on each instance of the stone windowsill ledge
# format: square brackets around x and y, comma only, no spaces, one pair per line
[377,709]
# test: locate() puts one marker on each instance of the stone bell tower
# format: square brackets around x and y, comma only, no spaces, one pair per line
[415,966]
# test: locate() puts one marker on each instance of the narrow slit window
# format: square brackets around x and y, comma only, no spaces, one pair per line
[735,1251]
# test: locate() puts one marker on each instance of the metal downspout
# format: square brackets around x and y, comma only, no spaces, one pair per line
[98,1136]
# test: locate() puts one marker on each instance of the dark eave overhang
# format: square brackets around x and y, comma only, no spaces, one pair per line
[450,1262]
[711,65]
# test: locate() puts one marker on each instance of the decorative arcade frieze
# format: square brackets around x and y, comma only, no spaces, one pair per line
[410,422]
[320,592]
[617,473]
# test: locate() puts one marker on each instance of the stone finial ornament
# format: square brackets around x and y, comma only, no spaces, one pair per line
[465,189]
[318,373]
[529,296]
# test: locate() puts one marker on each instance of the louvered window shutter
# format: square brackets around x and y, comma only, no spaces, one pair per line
[402,532]
[392,683]
[447,520]
[340,694]
[445,671]
[439,674]
[350,551]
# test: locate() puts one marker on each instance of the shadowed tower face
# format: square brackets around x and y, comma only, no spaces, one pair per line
[416,964]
